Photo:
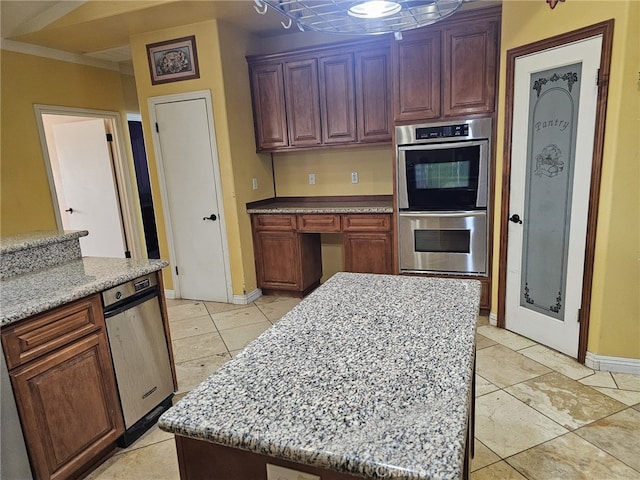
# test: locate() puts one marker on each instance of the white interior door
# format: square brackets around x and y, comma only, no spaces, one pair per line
[555,95]
[185,148]
[87,194]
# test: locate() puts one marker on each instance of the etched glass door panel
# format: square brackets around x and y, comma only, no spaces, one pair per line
[554,110]
[553,118]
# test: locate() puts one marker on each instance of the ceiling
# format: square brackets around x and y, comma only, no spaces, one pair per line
[101,29]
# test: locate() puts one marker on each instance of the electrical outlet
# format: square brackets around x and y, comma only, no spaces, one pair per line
[254,182]
[312,179]
[354,177]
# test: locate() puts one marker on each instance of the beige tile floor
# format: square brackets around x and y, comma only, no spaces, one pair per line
[539,414]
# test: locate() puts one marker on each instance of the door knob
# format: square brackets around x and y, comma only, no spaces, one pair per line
[70,210]
[515,218]
[210,217]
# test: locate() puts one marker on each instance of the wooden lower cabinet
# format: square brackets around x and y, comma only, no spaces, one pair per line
[67,398]
[367,252]
[287,261]
[288,252]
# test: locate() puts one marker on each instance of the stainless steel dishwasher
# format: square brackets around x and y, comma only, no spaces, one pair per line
[140,353]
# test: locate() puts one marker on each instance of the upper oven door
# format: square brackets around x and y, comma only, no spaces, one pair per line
[443,176]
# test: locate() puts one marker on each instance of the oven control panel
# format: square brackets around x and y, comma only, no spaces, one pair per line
[442,131]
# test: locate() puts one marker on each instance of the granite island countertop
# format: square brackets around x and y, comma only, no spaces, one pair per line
[30,293]
[370,375]
[323,205]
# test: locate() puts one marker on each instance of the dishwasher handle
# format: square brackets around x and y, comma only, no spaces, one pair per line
[130,302]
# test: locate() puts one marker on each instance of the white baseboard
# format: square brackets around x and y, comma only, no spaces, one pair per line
[247,298]
[237,299]
[612,364]
[169,294]
[493,319]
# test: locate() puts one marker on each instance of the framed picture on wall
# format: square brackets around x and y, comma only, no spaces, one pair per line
[173,60]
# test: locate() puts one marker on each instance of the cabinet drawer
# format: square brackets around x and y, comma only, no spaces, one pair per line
[48,331]
[319,223]
[274,222]
[366,223]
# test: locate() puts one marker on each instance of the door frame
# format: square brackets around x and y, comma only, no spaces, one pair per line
[180,97]
[129,206]
[606,30]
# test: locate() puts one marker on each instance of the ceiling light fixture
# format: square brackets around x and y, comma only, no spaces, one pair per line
[354,17]
[374,9]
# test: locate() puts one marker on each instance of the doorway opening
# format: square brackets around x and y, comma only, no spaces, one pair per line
[144,185]
[89,179]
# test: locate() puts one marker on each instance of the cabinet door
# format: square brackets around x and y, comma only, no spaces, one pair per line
[270,122]
[337,99]
[417,76]
[373,95]
[367,252]
[302,102]
[469,75]
[278,260]
[69,407]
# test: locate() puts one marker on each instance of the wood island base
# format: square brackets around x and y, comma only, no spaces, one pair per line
[201,460]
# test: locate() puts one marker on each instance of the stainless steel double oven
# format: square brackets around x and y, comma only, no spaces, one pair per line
[443,195]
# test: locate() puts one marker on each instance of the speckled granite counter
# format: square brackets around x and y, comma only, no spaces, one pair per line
[24,295]
[27,252]
[370,375]
[294,205]
[42,270]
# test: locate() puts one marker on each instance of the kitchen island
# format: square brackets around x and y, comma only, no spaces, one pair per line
[370,376]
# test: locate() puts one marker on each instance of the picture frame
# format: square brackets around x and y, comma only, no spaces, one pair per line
[173,60]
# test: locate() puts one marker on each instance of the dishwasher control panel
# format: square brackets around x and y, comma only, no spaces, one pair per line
[122,292]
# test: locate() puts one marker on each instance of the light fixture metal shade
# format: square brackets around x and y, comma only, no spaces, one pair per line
[331,16]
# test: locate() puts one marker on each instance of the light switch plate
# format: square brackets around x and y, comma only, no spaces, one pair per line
[254,182]
[275,472]
[312,179]
[354,177]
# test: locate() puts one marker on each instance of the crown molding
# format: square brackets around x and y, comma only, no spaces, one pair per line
[54,54]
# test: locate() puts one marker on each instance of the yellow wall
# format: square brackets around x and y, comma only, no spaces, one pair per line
[235,46]
[615,307]
[26,202]
[223,71]
[332,169]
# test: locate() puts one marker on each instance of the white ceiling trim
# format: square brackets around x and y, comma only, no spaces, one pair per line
[45,17]
[54,54]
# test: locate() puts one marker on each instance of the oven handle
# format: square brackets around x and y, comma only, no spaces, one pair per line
[130,302]
[469,213]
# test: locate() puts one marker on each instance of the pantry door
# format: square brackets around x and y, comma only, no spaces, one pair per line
[186,153]
[555,100]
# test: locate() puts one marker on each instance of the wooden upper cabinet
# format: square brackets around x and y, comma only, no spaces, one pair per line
[329,96]
[417,76]
[447,69]
[302,102]
[267,92]
[470,57]
[373,95]
[337,99]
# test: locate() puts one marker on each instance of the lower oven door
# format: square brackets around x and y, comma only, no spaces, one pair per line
[449,242]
